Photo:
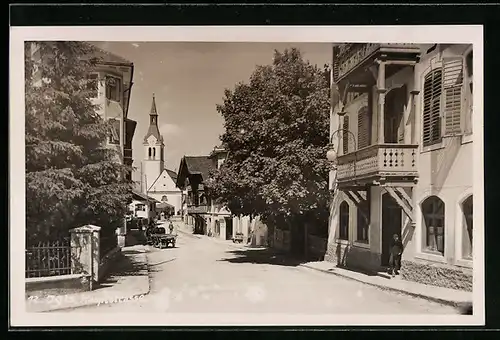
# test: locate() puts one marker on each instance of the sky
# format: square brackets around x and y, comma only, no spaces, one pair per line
[188,80]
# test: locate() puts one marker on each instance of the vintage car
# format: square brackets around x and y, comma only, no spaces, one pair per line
[161,236]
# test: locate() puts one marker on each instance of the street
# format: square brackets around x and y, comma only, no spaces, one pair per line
[203,275]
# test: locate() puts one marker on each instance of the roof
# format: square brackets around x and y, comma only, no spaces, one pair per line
[172,174]
[110,58]
[194,165]
[144,197]
[199,165]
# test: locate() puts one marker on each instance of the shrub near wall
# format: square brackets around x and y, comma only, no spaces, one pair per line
[437,275]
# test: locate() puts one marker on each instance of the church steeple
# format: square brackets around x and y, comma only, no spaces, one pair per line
[153,123]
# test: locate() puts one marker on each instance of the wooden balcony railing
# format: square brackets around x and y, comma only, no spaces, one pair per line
[197,209]
[380,160]
[349,56]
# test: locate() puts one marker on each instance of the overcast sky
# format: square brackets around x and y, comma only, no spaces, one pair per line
[188,80]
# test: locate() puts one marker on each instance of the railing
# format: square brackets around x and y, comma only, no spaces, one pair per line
[48,259]
[379,160]
[351,55]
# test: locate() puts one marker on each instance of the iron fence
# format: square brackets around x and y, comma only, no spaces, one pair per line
[48,258]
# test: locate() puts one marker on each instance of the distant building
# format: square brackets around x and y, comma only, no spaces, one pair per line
[142,206]
[193,170]
[157,181]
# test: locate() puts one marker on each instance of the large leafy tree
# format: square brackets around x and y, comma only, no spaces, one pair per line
[72,178]
[276,132]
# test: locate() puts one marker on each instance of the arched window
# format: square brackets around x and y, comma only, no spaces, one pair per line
[432,108]
[433,213]
[344,221]
[154,153]
[149,152]
[467,228]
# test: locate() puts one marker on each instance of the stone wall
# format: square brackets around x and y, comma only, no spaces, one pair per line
[437,275]
[347,255]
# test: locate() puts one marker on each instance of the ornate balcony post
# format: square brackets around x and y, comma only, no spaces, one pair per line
[381,100]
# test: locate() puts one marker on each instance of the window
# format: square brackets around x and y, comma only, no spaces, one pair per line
[114,134]
[363,220]
[140,207]
[432,108]
[154,153]
[344,221]
[433,213]
[93,85]
[467,228]
[364,127]
[149,152]
[345,135]
[113,88]
[164,198]
[453,82]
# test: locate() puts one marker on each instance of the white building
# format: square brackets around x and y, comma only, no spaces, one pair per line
[157,181]
[401,151]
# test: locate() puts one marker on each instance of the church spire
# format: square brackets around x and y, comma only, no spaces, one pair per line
[153,122]
[153,107]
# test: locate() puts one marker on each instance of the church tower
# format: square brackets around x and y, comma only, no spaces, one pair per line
[153,163]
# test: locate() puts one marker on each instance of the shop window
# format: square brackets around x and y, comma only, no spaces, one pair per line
[433,214]
[363,220]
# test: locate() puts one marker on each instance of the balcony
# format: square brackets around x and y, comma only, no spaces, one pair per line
[348,58]
[197,209]
[378,163]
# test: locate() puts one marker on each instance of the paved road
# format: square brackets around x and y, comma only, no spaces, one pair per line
[202,275]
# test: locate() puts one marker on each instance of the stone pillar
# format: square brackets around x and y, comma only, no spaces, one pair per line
[85,254]
[381,101]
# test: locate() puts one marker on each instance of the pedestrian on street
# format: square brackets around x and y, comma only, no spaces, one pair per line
[396,250]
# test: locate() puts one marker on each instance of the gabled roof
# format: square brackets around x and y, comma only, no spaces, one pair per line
[195,165]
[171,173]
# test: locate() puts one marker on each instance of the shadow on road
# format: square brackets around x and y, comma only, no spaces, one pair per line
[124,265]
[262,256]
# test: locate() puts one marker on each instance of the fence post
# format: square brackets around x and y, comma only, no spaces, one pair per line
[85,248]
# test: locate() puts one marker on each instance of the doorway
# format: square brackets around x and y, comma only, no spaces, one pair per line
[229,228]
[393,115]
[392,218]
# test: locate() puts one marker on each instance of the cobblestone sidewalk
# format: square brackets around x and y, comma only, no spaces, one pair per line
[128,280]
[452,297]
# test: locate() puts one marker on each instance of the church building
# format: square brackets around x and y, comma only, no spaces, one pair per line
[157,181]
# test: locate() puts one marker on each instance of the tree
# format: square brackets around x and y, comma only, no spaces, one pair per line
[276,134]
[71,177]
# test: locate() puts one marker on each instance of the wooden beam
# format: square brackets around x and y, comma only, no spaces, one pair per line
[355,198]
[405,195]
[402,204]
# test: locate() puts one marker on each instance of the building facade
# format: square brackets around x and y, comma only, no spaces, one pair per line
[142,206]
[401,145]
[158,181]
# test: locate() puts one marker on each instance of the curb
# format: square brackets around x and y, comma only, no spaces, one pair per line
[94,304]
[382,287]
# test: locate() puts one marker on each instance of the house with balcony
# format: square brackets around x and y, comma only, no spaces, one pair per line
[193,170]
[401,150]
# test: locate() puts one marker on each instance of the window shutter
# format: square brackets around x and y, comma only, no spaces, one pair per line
[363,127]
[345,135]
[453,80]
[432,108]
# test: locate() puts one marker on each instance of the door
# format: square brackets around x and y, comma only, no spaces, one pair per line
[391,224]
[229,228]
[393,115]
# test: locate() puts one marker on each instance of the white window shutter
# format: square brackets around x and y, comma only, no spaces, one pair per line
[453,82]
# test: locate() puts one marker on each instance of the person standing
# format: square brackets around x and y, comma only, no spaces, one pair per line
[396,251]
